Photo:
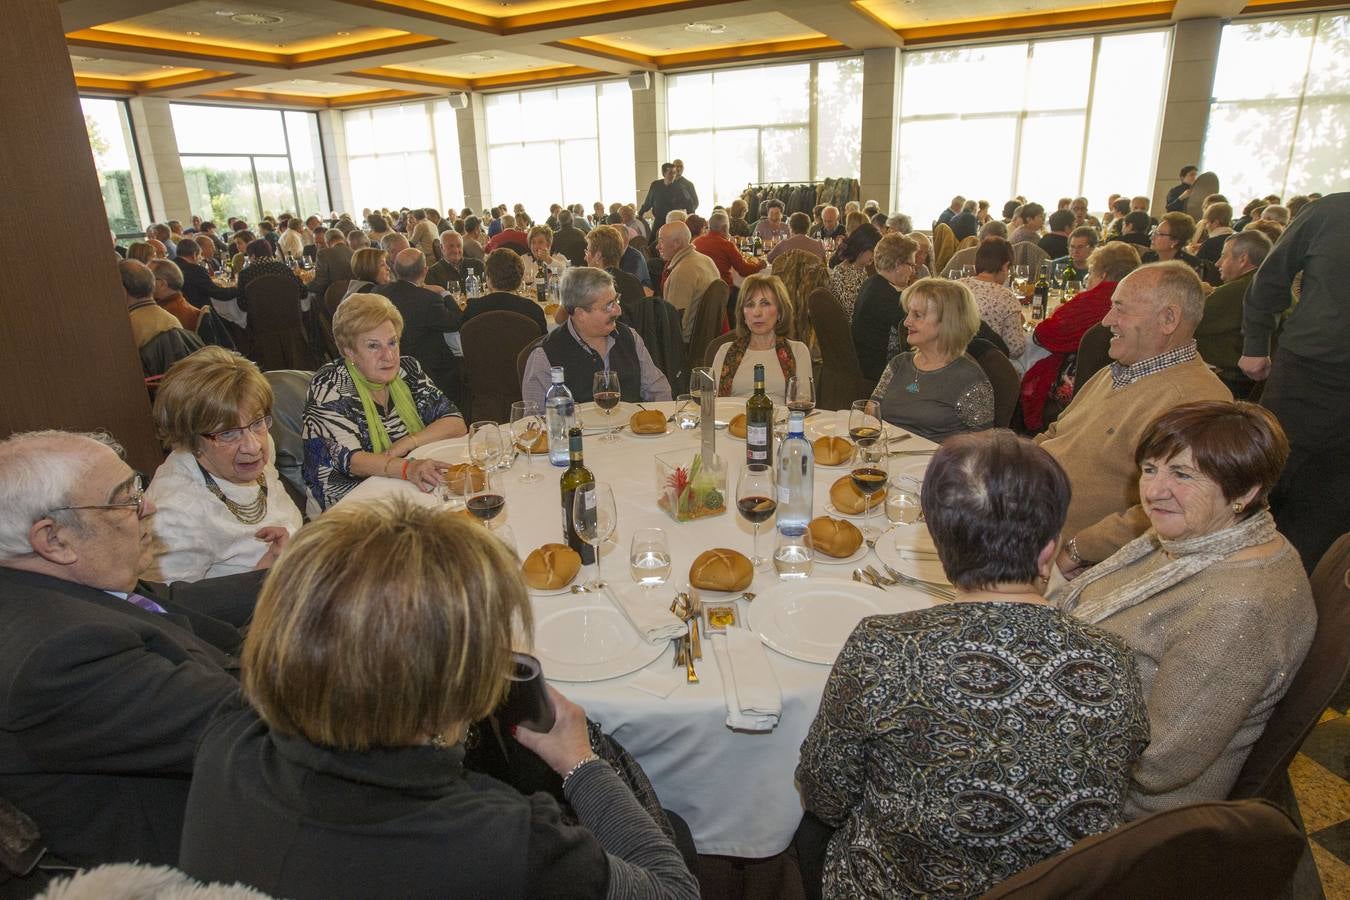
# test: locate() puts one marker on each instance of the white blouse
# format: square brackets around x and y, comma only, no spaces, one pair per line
[743,384]
[194,535]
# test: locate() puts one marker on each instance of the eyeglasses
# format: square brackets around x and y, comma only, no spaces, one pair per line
[1161,234]
[611,306]
[136,501]
[258,427]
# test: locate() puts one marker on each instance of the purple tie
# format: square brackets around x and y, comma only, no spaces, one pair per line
[146,603]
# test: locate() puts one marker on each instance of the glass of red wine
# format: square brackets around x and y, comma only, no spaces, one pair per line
[864,423]
[869,477]
[484,499]
[756,500]
[605,391]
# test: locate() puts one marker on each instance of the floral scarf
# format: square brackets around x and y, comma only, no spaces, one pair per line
[736,351]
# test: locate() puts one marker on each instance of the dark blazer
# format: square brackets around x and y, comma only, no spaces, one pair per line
[332,264]
[198,287]
[443,272]
[505,302]
[102,704]
[1055,245]
[427,318]
[571,243]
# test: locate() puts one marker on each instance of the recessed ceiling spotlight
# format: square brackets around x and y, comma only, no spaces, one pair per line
[168,67]
[624,37]
[478,57]
[83,58]
[256,19]
[706,27]
[193,33]
[224,12]
[344,34]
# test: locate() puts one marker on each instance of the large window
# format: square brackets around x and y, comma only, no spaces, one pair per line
[404,156]
[561,145]
[1044,119]
[734,127]
[119,171]
[1279,119]
[250,162]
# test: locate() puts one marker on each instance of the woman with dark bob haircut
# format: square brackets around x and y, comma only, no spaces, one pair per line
[955,745]
[385,632]
[1212,599]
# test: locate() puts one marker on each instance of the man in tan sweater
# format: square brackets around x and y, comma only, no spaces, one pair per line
[1153,316]
[687,274]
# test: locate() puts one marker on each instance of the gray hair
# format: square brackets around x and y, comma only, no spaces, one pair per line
[1176,284]
[169,271]
[1278,214]
[393,243]
[39,471]
[137,279]
[676,215]
[358,240]
[970,206]
[410,265]
[1250,243]
[1088,232]
[993,228]
[581,286]
[679,233]
[900,223]
[852,206]
[719,222]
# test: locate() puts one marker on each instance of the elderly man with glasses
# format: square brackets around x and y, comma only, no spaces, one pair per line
[108,680]
[593,339]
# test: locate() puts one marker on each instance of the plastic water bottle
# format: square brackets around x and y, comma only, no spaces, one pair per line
[796,477]
[471,289]
[560,413]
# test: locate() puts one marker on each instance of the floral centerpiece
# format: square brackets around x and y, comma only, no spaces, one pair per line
[688,487]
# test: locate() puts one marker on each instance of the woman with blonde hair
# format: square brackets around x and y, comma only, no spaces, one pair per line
[383,634]
[221,507]
[936,390]
[369,409]
[763,321]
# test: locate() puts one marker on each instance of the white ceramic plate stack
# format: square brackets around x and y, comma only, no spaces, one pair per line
[590,641]
[811,620]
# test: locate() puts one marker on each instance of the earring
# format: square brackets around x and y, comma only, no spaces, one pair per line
[1237,507]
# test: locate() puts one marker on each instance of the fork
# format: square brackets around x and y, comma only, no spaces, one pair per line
[928,588]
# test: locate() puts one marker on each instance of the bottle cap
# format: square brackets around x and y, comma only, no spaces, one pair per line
[555,374]
[796,421]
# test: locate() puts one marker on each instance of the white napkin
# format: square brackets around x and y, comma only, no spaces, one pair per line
[915,539]
[644,611]
[754,702]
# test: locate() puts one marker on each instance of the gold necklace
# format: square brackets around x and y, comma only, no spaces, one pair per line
[247,513]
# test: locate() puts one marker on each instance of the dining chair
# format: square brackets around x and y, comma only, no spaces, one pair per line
[276,325]
[523,356]
[332,298]
[841,377]
[492,343]
[944,245]
[801,273]
[1203,851]
[1093,355]
[1005,381]
[711,353]
[710,317]
[290,391]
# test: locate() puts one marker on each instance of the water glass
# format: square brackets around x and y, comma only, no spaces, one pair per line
[902,503]
[687,410]
[649,557]
[793,552]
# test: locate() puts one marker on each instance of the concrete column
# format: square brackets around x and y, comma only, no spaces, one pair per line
[473,155]
[158,149]
[649,135]
[333,137]
[880,110]
[1190,84]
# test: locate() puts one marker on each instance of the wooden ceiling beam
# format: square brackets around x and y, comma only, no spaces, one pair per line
[847,23]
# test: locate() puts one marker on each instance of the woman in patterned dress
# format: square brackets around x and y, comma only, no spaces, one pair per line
[959,744]
[366,411]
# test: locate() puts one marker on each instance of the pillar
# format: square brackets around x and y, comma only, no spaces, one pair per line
[649,136]
[880,113]
[157,147]
[1190,84]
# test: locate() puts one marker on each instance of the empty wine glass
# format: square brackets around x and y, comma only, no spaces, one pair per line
[800,394]
[526,426]
[605,391]
[486,446]
[756,500]
[594,518]
[864,422]
[649,557]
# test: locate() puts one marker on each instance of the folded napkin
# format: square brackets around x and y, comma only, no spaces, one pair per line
[754,702]
[644,611]
[915,539]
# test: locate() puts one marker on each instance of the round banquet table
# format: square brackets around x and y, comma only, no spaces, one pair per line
[734,788]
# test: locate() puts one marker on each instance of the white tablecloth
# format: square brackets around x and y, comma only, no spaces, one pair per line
[735,789]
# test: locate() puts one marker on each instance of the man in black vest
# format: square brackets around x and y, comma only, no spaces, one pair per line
[593,339]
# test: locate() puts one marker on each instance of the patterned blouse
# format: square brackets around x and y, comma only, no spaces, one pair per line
[958,745]
[846,280]
[937,404]
[1001,311]
[334,427]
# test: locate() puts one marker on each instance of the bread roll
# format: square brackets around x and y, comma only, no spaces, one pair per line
[540,444]
[721,570]
[648,421]
[832,450]
[454,477]
[835,537]
[550,567]
[736,427]
[849,500]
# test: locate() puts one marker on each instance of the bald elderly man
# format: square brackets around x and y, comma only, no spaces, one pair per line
[453,266]
[687,273]
[428,317]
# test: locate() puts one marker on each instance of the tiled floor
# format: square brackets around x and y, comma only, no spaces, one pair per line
[1321,778]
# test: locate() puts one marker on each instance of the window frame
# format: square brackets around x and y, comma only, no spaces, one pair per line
[136,164]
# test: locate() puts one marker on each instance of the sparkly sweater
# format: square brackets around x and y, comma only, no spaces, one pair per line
[1216,653]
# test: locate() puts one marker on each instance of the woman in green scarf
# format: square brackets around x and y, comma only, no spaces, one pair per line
[368,410]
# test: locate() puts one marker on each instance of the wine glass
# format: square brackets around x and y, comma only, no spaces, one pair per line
[605,391]
[967,272]
[756,499]
[1020,275]
[649,557]
[482,498]
[526,426]
[594,518]
[864,422]
[869,476]
[486,446]
[800,394]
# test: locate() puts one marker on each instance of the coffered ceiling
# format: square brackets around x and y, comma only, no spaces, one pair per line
[334,53]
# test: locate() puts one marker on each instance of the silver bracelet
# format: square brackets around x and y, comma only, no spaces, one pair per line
[572,771]
[1072,549]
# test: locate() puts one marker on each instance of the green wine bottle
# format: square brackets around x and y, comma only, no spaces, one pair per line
[575,476]
[759,423]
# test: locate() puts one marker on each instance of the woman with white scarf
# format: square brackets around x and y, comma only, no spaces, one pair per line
[1213,601]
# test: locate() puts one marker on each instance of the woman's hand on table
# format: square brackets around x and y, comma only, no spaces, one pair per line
[567,742]
[425,474]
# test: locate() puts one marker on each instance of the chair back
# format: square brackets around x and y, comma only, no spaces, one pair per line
[1204,851]
[1005,381]
[276,325]
[638,243]
[944,245]
[290,390]
[801,273]
[523,356]
[492,342]
[1318,679]
[710,353]
[841,376]
[710,317]
[1029,253]
[968,241]
[655,266]
[328,305]
[1093,354]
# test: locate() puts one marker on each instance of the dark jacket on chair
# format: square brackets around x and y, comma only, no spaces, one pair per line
[427,318]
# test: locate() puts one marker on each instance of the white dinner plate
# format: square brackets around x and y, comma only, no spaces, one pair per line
[811,620]
[590,641]
[545,592]
[592,418]
[891,547]
[878,513]
[843,560]
[910,472]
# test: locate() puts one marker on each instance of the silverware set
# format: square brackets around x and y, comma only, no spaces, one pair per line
[689,647]
[870,575]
